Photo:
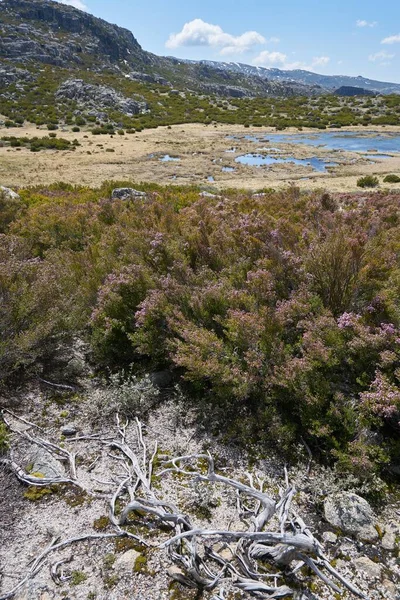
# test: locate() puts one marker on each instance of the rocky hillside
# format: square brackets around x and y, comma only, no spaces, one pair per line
[53,33]
[34,32]
[300,76]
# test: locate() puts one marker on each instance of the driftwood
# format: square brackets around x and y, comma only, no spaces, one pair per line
[207,558]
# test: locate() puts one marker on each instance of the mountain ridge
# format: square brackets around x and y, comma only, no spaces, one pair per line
[45,31]
[330,82]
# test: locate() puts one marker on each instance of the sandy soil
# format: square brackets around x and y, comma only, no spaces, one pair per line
[202,151]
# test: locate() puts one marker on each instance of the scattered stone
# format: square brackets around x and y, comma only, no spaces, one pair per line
[352,514]
[390,591]
[208,195]
[329,537]
[9,193]
[126,194]
[389,539]
[43,462]
[125,563]
[178,575]
[370,569]
[68,430]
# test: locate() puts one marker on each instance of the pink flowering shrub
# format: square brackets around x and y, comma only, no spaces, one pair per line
[279,313]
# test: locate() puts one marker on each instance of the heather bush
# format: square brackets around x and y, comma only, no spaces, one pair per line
[280,313]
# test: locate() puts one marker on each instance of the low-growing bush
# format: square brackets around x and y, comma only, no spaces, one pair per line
[280,314]
[369,181]
[392,179]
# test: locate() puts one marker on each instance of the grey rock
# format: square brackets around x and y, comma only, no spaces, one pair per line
[99,97]
[148,78]
[368,568]
[9,193]
[329,537]
[125,563]
[68,430]
[389,538]
[390,590]
[126,194]
[13,75]
[178,575]
[352,514]
[43,462]
[208,195]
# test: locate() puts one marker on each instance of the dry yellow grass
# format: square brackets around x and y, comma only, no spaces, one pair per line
[202,150]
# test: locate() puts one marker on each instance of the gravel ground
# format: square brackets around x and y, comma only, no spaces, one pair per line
[101,569]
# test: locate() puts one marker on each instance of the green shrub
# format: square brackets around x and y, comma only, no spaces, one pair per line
[75,129]
[4,439]
[52,126]
[369,181]
[392,179]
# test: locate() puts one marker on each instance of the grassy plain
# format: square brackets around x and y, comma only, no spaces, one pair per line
[202,150]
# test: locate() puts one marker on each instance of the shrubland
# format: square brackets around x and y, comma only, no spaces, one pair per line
[279,312]
[37,103]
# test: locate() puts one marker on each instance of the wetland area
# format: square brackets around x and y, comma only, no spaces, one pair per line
[219,156]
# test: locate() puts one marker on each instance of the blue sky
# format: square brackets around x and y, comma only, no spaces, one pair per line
[349,37]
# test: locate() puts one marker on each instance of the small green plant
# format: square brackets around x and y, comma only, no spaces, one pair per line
[78,577]
[34,493]
[140,565]
[4,439]
[75,129]
[392,179]
[101,523]
[369,181]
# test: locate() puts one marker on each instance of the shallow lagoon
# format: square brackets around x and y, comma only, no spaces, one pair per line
[259,160]
[340,140]
[168,158]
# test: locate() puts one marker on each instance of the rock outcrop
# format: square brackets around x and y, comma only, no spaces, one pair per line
[351,514]
[126,194]
[40,35]
[96,97]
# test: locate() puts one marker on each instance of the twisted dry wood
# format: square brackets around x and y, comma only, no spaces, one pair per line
[198,552]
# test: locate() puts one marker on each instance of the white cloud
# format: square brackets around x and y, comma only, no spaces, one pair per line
[279,59]
[320,61]
[383,58]
[392,39]
[200,33]
[269,59]
[363,23]
[75,4]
